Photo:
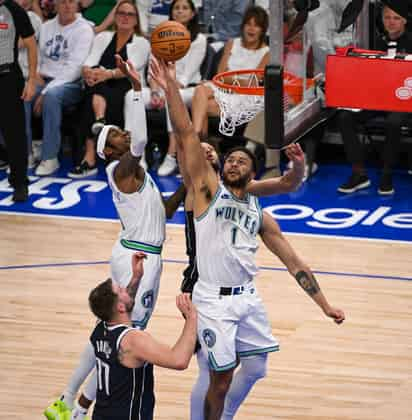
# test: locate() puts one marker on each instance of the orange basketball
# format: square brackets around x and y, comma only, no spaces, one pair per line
[170,40]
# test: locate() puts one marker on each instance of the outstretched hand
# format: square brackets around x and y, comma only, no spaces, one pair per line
[161,71]
[137,264]
[128,69]
[185,306]
[295,154]
[336,314]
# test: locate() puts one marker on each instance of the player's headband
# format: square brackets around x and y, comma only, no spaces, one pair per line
[101,140]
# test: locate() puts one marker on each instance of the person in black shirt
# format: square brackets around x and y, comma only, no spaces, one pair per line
[15,24]
[394,16]
[125,355]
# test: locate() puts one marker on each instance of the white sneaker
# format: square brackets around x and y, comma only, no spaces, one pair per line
[36,148]
[168,166]
[47,167]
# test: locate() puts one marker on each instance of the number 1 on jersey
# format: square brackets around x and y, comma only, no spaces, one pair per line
[234,234]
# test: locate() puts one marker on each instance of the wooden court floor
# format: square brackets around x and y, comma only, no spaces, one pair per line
[360,370]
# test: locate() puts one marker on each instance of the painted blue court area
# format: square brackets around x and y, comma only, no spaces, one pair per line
[317,208]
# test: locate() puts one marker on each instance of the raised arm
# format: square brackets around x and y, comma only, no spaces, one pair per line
[186,135]
[139,346]
[289,182]
[174,201]
[277,243]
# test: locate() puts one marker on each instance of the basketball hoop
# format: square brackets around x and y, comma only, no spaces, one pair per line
[240,96]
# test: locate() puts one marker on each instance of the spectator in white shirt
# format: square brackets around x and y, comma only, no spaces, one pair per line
[64,45]
[106,86]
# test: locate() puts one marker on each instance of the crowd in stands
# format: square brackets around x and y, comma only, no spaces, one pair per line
[77,41]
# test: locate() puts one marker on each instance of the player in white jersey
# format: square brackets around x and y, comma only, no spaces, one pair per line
[142,213]
[232,323]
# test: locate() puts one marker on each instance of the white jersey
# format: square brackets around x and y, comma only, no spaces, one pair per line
[142,213]
[226,239]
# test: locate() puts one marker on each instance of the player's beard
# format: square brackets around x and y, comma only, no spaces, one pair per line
[240,182]
[130,306]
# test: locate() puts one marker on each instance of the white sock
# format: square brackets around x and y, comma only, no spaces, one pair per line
[251,369]
[199,390]
[78,412]
[86,364]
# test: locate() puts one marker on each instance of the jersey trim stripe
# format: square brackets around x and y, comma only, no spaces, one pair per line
[239,200]
[258,351]
[217,368]
[142,391]
[260,212]
[121,336]
[144,184]
[132,399]
[141,246]
[203,215]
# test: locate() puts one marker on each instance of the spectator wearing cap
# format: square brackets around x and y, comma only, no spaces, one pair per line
[394,17]
[15,24]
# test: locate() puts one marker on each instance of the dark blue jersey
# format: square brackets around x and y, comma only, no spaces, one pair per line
[122,393]
[190,274]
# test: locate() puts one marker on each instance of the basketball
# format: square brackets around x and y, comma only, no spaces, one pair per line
[170,41]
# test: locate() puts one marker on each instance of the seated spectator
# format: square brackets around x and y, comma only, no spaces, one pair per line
[322,27]
[64,45]
[248,51]
[187,71]
[24,65]
[106,86]
[394,22]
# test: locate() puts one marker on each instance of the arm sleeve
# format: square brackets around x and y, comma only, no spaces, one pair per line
[135,121]
[193,60]
[80,47]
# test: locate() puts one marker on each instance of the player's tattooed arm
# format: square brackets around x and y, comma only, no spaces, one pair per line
[307,282]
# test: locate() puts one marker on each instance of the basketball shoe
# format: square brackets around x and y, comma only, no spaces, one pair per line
[57,411]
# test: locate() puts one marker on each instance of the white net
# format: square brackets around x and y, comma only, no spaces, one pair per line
[236,108]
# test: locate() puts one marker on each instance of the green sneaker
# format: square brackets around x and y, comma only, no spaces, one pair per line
[57,411]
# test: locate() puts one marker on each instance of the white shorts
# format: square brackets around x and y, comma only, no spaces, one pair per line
[230,327]
[146,297]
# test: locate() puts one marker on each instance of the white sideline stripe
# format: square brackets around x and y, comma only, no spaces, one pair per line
[313,235]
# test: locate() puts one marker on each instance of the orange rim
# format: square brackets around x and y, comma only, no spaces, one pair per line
[289,78]
[243,90]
